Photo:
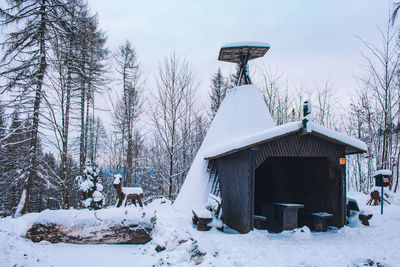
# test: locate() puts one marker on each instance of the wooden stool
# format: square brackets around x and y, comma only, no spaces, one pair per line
[260,222]
[320,221]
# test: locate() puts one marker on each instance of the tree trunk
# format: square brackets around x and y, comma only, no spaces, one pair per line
[24,202]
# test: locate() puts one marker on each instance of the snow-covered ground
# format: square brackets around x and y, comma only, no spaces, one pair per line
[353,245]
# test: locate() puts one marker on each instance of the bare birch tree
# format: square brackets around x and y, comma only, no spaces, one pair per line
[175,89]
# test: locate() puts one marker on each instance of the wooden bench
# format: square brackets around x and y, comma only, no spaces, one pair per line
[320,221]
[202,217]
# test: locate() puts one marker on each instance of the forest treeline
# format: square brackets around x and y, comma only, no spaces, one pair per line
[55,66]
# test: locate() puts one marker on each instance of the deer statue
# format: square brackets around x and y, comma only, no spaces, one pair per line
[127,193]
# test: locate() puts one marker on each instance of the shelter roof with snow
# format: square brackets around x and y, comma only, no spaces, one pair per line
[352,145]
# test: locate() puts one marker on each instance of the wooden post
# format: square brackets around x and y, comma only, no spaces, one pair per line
[342,167]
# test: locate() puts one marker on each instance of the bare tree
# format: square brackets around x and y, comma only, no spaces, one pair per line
[62,90]
[325,100]
[92,56]
[375,110]
[382,67]
[129,108]
[175,89]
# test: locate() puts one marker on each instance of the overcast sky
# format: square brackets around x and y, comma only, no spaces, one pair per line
[311,41]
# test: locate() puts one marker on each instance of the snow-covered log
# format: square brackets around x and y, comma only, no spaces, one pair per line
[105,226]
[129,234]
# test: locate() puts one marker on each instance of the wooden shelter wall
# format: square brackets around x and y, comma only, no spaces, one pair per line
[296,145]
[236,179]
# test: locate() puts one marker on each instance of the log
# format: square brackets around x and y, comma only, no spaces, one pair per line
[129,234]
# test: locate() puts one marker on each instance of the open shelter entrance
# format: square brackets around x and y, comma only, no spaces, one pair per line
[311,181]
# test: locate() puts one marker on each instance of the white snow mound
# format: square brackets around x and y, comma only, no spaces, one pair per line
[242,112]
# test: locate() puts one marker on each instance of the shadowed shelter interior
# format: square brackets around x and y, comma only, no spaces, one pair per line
[312,181]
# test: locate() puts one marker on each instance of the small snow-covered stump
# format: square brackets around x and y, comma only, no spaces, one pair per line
[90,188]
[365,217]
[127,193]
[375,199]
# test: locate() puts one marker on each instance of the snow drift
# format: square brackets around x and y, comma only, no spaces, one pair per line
[242,112]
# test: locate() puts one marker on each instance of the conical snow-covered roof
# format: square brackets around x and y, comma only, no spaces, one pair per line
[242,112]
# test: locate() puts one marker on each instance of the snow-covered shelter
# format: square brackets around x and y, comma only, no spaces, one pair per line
[283,164]
[251,164]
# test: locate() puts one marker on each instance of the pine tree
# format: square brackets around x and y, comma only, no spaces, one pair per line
[24,64]
[91,188]
[15,150]
[234,77]
[218,91]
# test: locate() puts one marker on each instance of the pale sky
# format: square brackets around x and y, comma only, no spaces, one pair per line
[311,41]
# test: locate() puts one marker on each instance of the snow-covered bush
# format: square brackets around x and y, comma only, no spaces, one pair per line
[90,188]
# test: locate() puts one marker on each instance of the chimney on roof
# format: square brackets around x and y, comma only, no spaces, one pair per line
[307,115]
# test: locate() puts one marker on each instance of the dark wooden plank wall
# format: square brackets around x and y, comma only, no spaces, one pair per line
[296,145]
[236,179]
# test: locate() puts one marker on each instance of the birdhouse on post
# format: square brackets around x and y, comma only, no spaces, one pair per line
[382,180]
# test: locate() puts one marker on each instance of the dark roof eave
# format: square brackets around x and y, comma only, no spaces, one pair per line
[349,150]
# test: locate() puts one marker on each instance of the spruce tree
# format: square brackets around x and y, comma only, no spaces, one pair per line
[218,91]
[90,188]
[24,65]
